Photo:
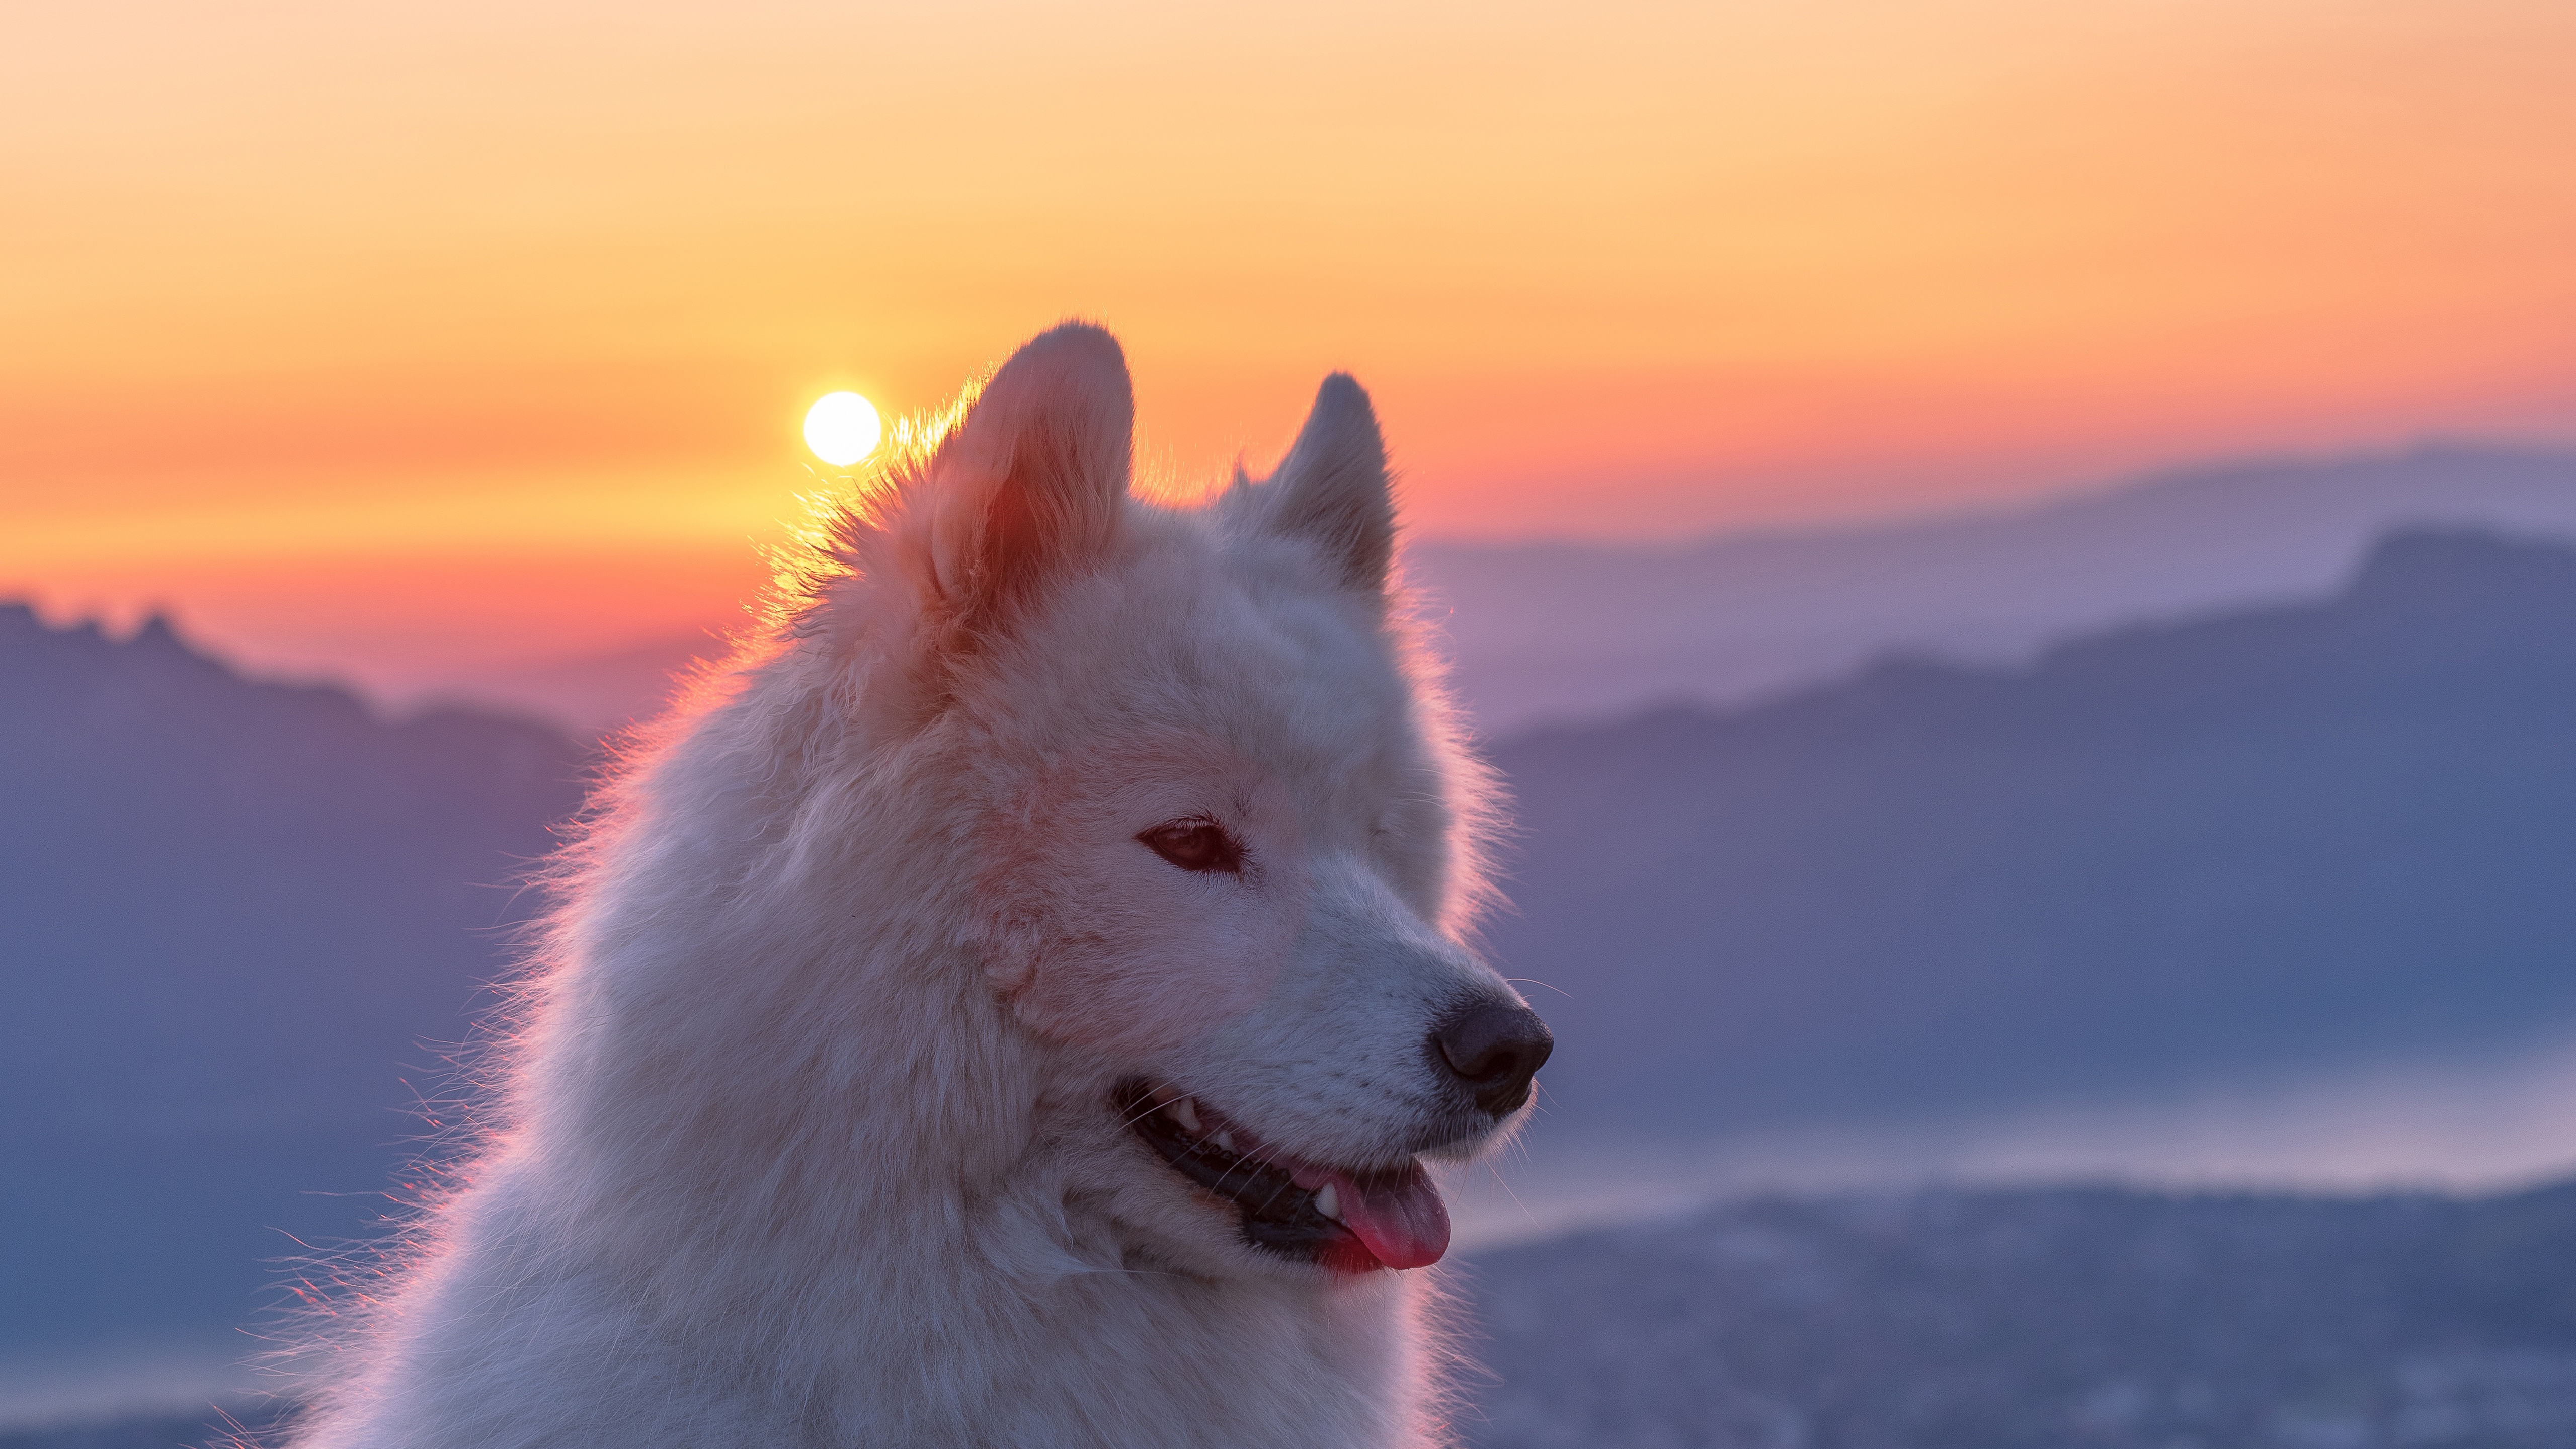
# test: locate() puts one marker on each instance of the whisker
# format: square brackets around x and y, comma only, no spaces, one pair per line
[1148,1110]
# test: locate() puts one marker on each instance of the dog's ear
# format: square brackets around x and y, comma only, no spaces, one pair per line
[1029,483]
[1332,488]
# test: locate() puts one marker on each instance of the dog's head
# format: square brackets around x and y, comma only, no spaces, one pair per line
[1223,839]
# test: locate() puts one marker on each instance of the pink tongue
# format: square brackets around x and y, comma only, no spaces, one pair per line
[1402,1220]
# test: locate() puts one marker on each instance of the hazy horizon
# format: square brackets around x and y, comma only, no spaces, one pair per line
[1601,626]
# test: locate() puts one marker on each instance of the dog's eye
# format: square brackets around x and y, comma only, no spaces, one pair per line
[1195,845]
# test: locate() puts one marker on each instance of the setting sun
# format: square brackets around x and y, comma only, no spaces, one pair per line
[842,428]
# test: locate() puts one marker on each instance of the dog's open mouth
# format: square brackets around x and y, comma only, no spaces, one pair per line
[1350,1222]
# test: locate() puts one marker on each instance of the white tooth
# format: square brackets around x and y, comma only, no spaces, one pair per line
[1185,1112]
[1225,1139]
[1328,1201]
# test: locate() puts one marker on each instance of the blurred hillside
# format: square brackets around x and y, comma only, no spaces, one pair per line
[233,919]
[2068,1319]
[2257,845]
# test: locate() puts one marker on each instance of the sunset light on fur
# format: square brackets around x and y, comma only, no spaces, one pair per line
[1045,950]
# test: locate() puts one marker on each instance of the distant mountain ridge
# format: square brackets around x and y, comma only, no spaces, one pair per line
[1562,632]
[1571,633]
[2254,844]
[233,918]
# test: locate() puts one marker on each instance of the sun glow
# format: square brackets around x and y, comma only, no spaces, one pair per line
[842,428]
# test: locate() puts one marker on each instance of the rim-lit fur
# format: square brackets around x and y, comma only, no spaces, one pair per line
[801,1131]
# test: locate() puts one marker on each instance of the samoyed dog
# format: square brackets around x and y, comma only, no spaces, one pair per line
[1013,1006]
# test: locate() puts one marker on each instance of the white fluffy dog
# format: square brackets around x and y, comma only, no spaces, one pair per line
[1010,1008]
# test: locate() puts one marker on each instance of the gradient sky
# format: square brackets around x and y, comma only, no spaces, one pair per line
[398,338]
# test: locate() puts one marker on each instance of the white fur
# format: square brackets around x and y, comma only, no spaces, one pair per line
[802,1134]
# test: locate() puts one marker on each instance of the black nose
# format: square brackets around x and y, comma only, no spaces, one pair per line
[1496,1048]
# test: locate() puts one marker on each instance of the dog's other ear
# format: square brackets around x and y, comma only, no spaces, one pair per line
[1030,482]
[1332,488]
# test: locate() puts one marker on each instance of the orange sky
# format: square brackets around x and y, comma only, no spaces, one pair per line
[393,338]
